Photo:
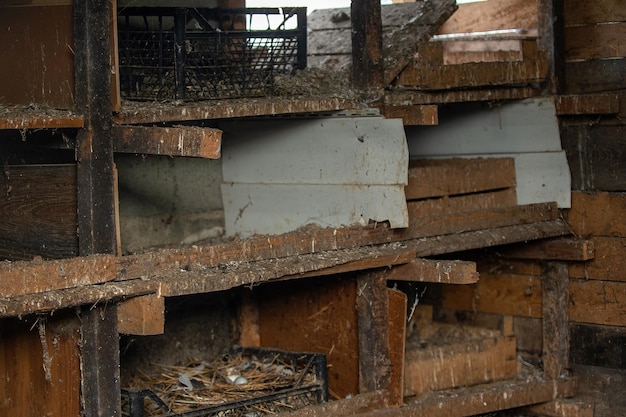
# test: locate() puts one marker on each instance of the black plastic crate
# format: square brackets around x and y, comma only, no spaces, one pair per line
[168,53]
[283,398]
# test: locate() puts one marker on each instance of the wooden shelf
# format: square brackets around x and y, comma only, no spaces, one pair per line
[34,118]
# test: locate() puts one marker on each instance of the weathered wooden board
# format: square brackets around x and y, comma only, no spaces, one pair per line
[492,15]
[598,302]
[26,118]
[555,320]
[41,357]
[598,345]
[447,177]
[587,104]
[144,315]
[22,278]
[595,41]
[609,263]
[38,57]
[437,271]
[400,98]
[596,75]
[580,12]
[413,115]
[480,399]
[564,407]
[172,141]
[462,203]
[564,249]
[140,113]
[305,316]
[397,341]
[38,208]
[598,214]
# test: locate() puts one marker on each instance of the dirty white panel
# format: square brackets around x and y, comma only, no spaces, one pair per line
[522,126]
[543,177]
[286,173]
[339,150]
[277,208]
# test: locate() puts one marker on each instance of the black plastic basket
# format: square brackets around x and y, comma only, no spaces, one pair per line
[168,53]
[290,398]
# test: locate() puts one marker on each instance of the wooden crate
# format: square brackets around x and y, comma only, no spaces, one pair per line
[440,356]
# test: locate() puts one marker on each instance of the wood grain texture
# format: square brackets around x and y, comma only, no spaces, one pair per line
[144,315]
[580,12]
[456,96]
[609,263]
[436,271]
[462,203]
[598,214]
[555,299]
[38,207]
[587,104]
[593,76]
[595,41]
[492,15]
[397,341]
[564,249]
[595,345]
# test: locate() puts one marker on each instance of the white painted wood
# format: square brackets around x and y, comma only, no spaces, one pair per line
[277,208]
[333,171]
[337,150]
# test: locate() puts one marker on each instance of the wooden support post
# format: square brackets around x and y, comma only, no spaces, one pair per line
[96,211]
[142,316]
[367,45]
[372,304]
[551,40]
[555,291]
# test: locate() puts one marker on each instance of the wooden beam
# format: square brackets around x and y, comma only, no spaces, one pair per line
[563,249]
[17,118]
[172,141]
[587,104]
[555,300]
[397,341]
[551,31]
[438,271]
[367,45]
[414,115]
[372,304]
[144,113]
[143,316]
[22,278]
[446,177]
[481,399]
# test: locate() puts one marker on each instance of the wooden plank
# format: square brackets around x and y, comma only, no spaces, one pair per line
[172,141]
[474,74]
[492,15]
[463,203]
[596,75]
[19,118]
[445,177]
[249,319]
[580,12]
[39,212]
[598,214]
[609,263]
[22,278]
[367,45]
[595,41]
[515,295]
[144,113]
[587,104]
[397,340]
[372,304]
[306,316]
[143,316]
[414,115]
[564,407]
[555,299]
[349,406]
[595,345]
[563,249]
[399,98]
[598,302]
[38,57]
[472,359]
[480,399]
[437,271]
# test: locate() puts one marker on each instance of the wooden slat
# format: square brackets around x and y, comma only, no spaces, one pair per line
[609,263]
[599,214]
[445,177]
[372,304]
[481,399]
[13,118]
[139,113]
[598,302]
[565,249]
[144,315]
[596,75]
[492,15]
[595,41]
[438,271]
[414,115]
[22,278]
[555,299]
[38,209]
[427,77]
[172,141]
[587,104]
[564,407]
[399,98]
[595,345]
[580,12]
[397,341]
[463,203]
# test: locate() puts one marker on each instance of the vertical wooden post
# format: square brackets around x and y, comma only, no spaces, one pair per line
[100,380]
[367,45]
[551,28]
[555,290]
[372,304]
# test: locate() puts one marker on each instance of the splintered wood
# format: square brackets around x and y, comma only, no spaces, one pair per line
[235,381]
